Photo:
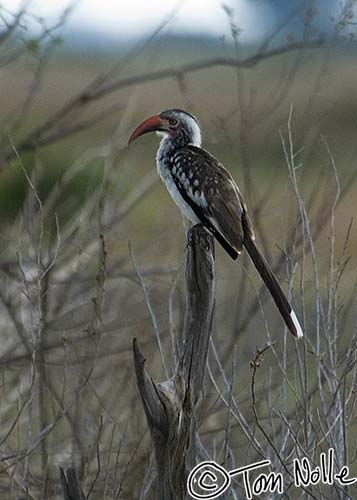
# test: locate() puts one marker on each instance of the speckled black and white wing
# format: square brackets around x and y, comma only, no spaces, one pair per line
[209,189]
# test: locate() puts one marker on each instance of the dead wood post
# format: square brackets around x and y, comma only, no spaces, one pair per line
[171,406]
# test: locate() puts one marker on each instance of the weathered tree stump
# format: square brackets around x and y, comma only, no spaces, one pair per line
[171,406]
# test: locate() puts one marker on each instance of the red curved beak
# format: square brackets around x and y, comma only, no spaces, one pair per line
[149,125]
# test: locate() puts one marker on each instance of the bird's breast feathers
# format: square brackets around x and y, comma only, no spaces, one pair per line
[174,181]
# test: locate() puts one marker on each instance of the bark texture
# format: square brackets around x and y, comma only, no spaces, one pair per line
[171,406]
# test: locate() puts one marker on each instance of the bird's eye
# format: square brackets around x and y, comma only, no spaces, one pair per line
[173,122]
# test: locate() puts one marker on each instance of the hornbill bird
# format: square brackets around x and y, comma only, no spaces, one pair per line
[207,194]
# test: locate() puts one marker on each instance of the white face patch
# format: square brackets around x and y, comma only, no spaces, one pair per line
[190,124]
[161,133]
[196,132]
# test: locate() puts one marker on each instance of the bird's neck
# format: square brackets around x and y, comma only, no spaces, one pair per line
[169,144]
[167,148]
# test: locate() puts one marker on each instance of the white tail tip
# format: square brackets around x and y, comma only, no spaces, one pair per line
[299,331]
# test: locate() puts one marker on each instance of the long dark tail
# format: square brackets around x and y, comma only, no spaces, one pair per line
[274,288]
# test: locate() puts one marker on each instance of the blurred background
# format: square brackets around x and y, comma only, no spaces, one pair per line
[93,248]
